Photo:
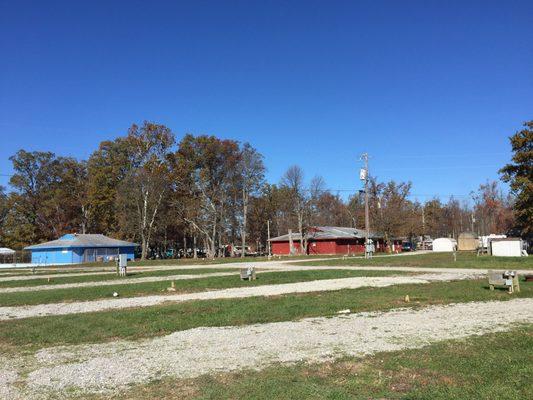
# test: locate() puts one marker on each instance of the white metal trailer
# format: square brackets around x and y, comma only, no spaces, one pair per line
[508,247]
[444,244]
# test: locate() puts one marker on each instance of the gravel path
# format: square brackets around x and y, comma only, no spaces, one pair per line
[113,282]
[27,277]
[111,367]
[40,310]
[281,266]
[45,276]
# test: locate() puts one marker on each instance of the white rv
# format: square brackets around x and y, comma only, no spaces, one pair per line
[444,244]
[507,247]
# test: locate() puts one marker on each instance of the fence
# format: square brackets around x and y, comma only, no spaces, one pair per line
[18,257]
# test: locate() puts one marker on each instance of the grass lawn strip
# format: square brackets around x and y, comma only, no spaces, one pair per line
[82,269]
[167,263]
[54,275]
[162,276]
[134,291]
[195,291]
[192,353]
[109,276]
[89,274]
[465,260]
[467,369]
[114,282]
[160,320]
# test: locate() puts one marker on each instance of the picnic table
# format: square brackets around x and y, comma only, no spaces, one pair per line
[248,274]
[507,279]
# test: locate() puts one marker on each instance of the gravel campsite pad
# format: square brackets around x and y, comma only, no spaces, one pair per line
[113,366]
[113,282]
[40,310]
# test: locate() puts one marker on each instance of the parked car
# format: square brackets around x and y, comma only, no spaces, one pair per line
[247,251]
[408,246]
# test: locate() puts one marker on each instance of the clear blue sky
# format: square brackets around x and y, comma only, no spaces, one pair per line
[430,89]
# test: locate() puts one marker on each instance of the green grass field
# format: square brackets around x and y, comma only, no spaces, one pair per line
[209,261]
[437,260]
[110,277]
[492,366]
[477,368]
[160,320]
[182,286]
[171,263]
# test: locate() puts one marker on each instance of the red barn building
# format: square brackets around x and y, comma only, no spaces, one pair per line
[330,240]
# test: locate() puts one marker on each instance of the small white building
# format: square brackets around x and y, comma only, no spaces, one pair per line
[4,251]
[484,241]
[507,247]
[444,245]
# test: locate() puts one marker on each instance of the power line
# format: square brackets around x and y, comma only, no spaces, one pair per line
[353,190]
[443,168]
[418,156]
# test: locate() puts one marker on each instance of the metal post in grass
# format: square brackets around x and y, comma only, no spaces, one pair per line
[363,175]
[268,240]
[123,263]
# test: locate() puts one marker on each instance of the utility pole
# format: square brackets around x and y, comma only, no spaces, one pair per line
[268,241]
[363,175]
[423,227]
[291,243]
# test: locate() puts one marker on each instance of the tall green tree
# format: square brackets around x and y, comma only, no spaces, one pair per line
[208,174]
[64,207]
[390,208]
[145,188]
[3,214]
[293,182]
[106,170]
[519,174]
[492,209]
[252,175]
[48,199]
[34,174]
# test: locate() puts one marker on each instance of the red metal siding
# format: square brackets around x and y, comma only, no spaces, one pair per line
[336,246]
[350,246]
[322,247]
[283,248]
[333,246]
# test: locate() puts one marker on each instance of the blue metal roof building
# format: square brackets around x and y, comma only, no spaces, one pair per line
[77,248]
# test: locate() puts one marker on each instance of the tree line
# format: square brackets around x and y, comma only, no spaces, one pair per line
[206,192]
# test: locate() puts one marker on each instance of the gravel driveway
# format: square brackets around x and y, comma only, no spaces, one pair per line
[113,366]
[40,310]
[113,282]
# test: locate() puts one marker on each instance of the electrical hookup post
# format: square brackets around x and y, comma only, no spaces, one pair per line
[363,176]
[122,264]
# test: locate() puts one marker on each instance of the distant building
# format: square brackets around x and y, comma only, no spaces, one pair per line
[330,240]
[484,241]
[4,251]
[444,244]
[507,247]
[467,241]
[76,248]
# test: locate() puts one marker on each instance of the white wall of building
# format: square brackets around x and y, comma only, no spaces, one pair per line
[444,244]
[506,248]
